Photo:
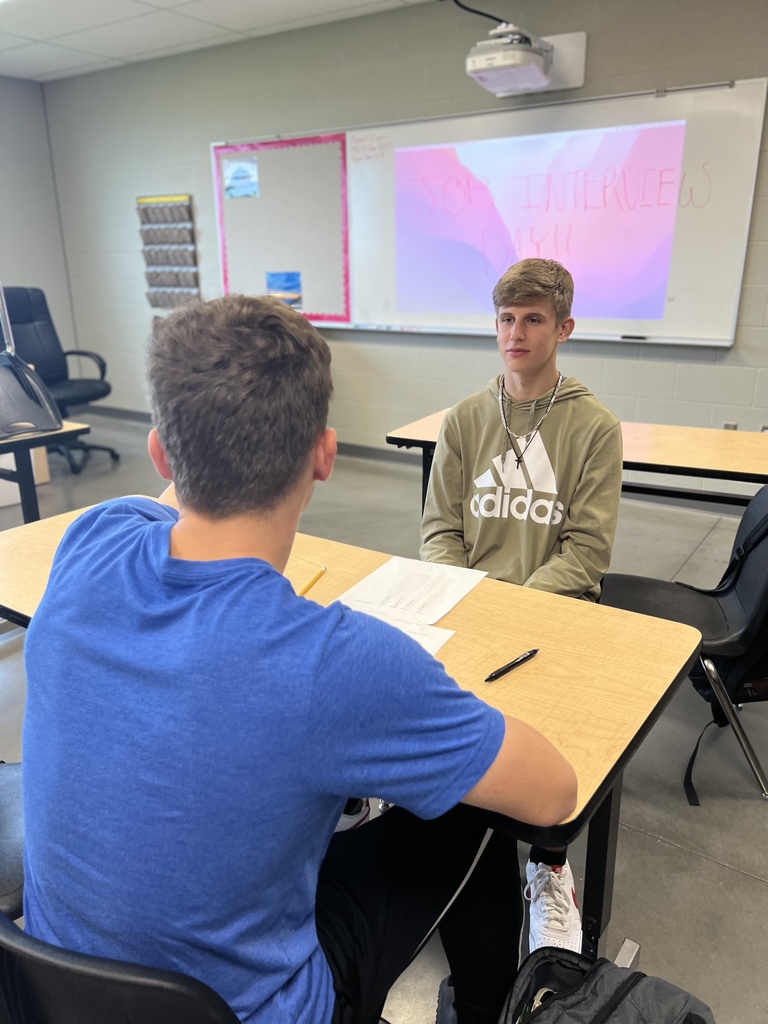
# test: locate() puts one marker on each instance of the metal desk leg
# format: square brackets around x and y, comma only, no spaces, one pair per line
[427,454]
[600,870]
[26,481]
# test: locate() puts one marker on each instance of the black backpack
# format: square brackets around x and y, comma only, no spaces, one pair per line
[559,986]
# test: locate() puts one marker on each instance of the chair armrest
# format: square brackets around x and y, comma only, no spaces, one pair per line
[90,355]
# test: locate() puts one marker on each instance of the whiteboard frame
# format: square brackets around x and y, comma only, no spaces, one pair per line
[747,97]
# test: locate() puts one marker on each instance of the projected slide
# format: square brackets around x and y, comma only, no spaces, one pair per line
[601,201]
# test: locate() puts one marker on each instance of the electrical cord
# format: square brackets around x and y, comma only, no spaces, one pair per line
[483,14]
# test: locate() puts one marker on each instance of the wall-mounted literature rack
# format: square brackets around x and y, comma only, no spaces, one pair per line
[168,245]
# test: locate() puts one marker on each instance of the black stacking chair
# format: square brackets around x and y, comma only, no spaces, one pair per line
[44,984]
[732,619]
[38,343]
[11,841]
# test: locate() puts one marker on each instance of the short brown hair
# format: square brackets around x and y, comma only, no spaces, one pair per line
[532,280]
[239,388]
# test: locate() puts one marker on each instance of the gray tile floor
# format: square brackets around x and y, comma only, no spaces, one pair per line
[691,883]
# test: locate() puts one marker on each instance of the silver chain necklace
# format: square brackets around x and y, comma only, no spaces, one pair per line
[531,433]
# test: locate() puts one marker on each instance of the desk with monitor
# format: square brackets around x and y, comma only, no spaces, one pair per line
[650,447]
[592,690]
[20,446]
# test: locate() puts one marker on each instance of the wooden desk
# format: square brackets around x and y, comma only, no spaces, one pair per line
[592,688]
[19,446]
[651,447]
[695,451]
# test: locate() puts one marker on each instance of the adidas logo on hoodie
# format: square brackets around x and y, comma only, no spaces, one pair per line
[535,474]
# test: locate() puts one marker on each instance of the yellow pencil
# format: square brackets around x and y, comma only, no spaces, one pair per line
[313,581]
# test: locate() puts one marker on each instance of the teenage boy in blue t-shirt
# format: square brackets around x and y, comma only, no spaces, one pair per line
[193,726]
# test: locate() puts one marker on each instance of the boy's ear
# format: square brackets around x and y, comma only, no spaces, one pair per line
[158,456]
[324,454]
[566,329]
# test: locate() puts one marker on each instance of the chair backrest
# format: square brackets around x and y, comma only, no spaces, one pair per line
[746,601]
[34,335]
[43,984]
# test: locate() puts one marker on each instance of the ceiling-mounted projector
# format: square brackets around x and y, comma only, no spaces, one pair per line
[513,61]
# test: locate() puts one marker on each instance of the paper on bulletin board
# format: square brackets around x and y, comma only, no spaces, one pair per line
[241,177]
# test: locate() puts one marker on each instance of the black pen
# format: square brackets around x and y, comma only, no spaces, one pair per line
[512,664]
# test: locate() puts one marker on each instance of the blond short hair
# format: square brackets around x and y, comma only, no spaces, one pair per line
[533,280]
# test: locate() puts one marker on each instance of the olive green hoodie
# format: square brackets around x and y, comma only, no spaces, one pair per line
[548,523]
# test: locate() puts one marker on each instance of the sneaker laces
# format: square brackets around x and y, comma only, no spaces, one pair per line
[548,885]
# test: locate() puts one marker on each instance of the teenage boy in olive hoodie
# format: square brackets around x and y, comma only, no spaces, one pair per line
[525,484]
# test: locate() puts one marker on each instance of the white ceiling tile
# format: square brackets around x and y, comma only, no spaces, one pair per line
[45,20]
[41,58]
[142,35]
[321,19]
[9,42]
[125,30]
[267,14]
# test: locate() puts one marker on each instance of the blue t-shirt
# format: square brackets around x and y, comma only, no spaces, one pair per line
[192,730]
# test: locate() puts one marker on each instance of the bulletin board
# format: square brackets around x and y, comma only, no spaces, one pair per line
[647,199]
[282,216]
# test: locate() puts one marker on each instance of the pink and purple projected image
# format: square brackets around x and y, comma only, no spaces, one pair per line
[602,201]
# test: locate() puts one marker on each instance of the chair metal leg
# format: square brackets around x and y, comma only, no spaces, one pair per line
[66,451]
[85,450]
[733,720]
[86,447]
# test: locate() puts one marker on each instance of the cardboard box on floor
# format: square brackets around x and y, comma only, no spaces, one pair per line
[9,492]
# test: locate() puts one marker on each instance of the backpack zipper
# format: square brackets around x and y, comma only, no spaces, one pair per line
[627,985]
[620,993]
[563,992]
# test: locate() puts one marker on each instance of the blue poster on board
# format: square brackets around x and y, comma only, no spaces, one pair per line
[285,285]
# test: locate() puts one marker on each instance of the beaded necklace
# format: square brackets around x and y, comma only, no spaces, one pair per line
[532,433]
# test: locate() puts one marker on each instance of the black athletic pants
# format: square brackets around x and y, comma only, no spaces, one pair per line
[383,886]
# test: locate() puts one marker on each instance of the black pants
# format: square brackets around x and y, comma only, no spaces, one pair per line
[383,886]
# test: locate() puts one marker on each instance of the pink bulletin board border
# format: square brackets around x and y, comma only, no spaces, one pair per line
[308,140]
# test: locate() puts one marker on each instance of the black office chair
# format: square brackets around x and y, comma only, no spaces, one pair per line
[43,984]
[732,619]
[37,343]
[11,841]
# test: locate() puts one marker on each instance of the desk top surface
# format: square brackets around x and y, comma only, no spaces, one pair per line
[69,429]
[592,689]
[730,454]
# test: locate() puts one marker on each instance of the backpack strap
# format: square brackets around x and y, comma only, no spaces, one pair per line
[688,786]
[751,541]
[753,538]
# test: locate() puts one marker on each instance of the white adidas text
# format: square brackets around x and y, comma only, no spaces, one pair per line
[501,504]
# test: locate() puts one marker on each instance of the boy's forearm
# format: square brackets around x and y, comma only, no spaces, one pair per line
[445,547]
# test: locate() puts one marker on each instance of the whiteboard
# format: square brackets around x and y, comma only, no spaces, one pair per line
[646,199]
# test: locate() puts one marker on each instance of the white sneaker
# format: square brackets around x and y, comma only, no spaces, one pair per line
[358,816]
[554,916]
